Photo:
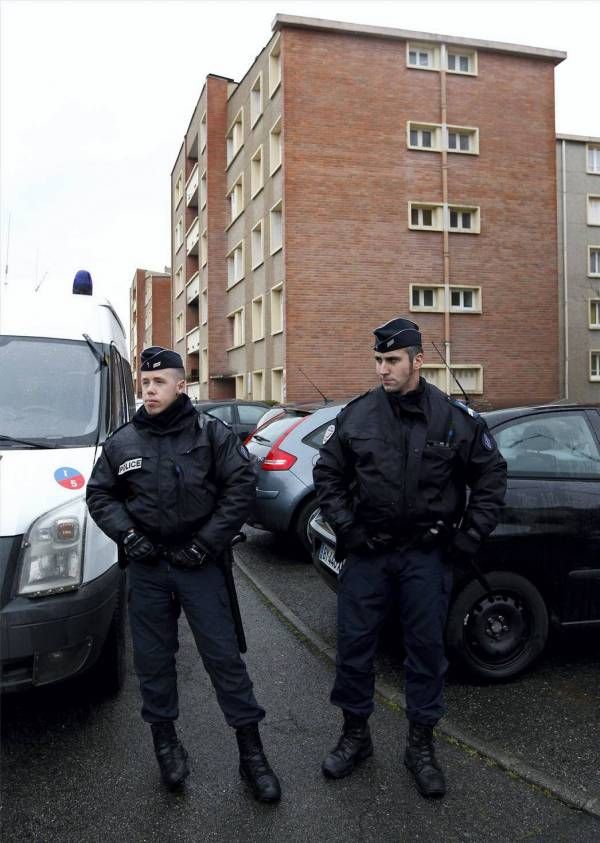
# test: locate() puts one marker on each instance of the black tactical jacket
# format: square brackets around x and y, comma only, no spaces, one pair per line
[398,466]
[193,478]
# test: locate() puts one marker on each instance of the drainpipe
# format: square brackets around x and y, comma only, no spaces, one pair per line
[565,263]
[445,211]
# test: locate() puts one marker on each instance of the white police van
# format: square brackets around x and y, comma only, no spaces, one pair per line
[65,384]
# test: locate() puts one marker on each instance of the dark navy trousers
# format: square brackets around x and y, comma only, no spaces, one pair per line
[414,585]
[156,594]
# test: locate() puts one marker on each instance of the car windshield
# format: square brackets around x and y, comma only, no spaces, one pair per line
[49,392]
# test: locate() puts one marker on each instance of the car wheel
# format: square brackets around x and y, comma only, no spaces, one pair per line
[496,635]
[109,671]
[303,516]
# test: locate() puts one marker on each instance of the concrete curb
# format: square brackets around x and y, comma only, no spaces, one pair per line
[455,734]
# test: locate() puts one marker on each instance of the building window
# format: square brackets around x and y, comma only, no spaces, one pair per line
[595,365]
[203,132]
[240,389]
[204,248]
[276,227]
[277,309]
[594,261]
[463,139]
[204,365]
[469,377]
[179,233]
[179,281]
[595,313]
[235,136]
[423,216]
[593,210]
[256,103]
[426,298]
[425,136]
[275,147]
[274,68]
[236,328]
[463,219]
[277,385]
[465,299]
[235,264]
[204,307]
[178,189]
[422,56]
[203,190]
[256,172]
[258,321]
[179,326]
[236,199]
[462,62]
[435,375]
[593,158]
[258,385]
[257,245]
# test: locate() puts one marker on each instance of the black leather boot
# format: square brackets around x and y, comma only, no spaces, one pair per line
[254,767]
[353,746]
[420,759]
[170,754]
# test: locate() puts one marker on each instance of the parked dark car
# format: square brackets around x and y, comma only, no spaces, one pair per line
[241,416]
[542,562]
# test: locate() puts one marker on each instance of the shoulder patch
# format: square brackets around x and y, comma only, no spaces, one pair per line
[328,433]
[456,403]
[487,440]
[244,452]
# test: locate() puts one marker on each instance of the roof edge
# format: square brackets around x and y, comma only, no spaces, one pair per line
[579,138]
[280,21]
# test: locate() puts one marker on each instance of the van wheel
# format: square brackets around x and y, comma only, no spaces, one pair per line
[303,516]
[497,635]
[109,672]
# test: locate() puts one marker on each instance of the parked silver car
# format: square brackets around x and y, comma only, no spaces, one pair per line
[287,448]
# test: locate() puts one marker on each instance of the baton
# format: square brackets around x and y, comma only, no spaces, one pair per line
[233,599]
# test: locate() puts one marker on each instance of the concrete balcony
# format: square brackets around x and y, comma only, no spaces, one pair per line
[192,290]
[191,188]
[192,237]
[193,340]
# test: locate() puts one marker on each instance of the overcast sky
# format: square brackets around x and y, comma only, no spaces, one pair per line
[95,98]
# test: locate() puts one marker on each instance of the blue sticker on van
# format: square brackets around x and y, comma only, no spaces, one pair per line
[69,478]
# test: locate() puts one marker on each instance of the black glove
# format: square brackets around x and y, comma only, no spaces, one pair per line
[192,555]
[465,544]
[137,547]
[355,540]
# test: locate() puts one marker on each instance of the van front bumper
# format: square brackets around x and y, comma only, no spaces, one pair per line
[47,639]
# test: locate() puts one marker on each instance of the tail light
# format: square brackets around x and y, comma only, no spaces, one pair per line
[277,459]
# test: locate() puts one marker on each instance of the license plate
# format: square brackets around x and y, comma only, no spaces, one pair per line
[327,557]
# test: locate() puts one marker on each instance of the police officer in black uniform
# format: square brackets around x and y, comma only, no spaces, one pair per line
[172,488]
[391,481]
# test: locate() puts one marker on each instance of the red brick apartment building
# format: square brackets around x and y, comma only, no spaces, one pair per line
[149,315]
[354,174]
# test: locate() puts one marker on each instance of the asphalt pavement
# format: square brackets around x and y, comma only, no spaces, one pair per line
[79,767]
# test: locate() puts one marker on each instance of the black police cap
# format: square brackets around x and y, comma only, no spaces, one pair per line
[156,357]
[397,333]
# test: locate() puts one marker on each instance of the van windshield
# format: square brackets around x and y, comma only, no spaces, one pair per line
[49,392]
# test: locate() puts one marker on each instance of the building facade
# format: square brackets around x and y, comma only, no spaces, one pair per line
[578,178]
[150,315]
[354,174]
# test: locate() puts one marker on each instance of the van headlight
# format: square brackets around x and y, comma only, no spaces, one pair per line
[52,551]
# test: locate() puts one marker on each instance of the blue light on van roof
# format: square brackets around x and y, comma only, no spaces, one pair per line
[82,283]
